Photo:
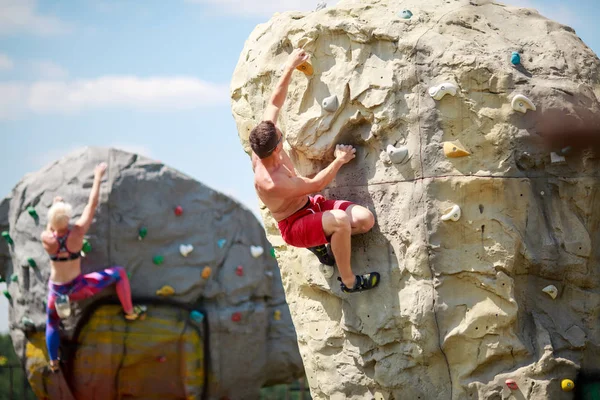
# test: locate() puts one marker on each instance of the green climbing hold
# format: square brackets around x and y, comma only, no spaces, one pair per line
[14,278]
[27,322]
[32,212]
[7,295]
[142,233]
[31,262]
[87,247]
[158,260]
[7,237]
[273,252]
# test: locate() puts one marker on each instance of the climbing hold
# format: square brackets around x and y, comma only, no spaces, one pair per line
[142,233]
[306,68]
[512,385]
[269,274]
[3,361]
[221,243]
[206,272]
[32,212]
[521,104]
[566,151]
[239,271]
[557,159]
[273,252]
[551,290]
[161,359]
[326,270]
[186,249]
[236,317]
[14,278]
[7,237]
[277,315]
[165,291]
[398,155]
[453,214]
[86,248]
[438,92]
[330,103]
[515,58]
[158,260]
[27,323]
[197,316]
[567,385]
[7,295]
[178,211]
[256,251]
[455,149]
[321,6]
[405,14]
[31,262]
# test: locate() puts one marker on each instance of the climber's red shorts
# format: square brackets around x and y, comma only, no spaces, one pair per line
[304,228]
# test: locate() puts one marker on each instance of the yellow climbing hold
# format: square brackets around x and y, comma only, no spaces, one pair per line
[277,315]
[567,385]
[165,291]
[206,272]
[455,149]
[3,360]
[306,68]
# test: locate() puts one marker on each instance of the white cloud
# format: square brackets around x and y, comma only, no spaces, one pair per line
[5,62]
[49,70]
[20,16]
[259,7]
[131,92]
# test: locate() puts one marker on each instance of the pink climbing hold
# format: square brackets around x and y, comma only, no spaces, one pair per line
[512,385]
[239,271]
[178,211]
[236,317]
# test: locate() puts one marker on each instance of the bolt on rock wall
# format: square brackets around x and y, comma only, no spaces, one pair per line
[200,262]
[484,239]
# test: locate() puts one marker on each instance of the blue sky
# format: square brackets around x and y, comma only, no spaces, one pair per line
[150,77]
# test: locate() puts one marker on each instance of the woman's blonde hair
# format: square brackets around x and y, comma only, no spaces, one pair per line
[59,215]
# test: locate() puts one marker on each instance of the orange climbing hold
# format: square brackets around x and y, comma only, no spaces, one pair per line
[455,149]
[206,272]
[306,68]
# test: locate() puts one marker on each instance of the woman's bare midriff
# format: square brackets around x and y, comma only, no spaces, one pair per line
[64,271]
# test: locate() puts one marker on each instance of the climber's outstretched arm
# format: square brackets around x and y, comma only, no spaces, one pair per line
[277,99]
[84,222]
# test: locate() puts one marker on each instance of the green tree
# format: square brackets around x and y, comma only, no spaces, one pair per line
[11,370]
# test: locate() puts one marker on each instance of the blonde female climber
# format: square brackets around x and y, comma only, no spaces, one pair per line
[304,220]
[63,243]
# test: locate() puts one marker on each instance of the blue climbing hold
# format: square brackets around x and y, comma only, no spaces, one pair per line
[221,243]
[515,58]
[197,316]
[405,14]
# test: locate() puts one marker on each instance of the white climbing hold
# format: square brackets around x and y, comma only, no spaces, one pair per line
[256,251]
[330,103]
[453,215]
[186,249]
[557,159]
[326,270]
[439,91]
[551,290]
[521,104]
[398,155]
[321,6]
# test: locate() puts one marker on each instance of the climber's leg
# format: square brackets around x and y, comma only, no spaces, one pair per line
[361,219]
[52,332]
[336,225]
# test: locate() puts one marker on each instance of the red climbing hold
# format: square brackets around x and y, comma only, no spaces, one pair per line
[236,317]
[161,359]
[239,271]
[512,385]
[178,211]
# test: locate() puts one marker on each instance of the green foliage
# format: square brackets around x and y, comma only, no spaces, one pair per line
[285,392]
[20,386]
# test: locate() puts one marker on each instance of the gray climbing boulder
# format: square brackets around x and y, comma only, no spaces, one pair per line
[244,340]
[461,307]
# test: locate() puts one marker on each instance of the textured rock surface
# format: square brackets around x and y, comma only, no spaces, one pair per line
[461,307]
[138,192]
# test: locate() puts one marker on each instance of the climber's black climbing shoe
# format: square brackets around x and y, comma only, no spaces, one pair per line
[324,254]
[139,312]
[362,283]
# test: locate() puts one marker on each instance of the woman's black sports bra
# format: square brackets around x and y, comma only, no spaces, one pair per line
[62,248]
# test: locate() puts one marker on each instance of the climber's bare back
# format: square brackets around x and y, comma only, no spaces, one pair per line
[280,205]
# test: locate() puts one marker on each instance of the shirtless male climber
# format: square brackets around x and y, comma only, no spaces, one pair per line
[304,220]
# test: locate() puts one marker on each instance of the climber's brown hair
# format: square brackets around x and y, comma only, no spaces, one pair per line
[264,139]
